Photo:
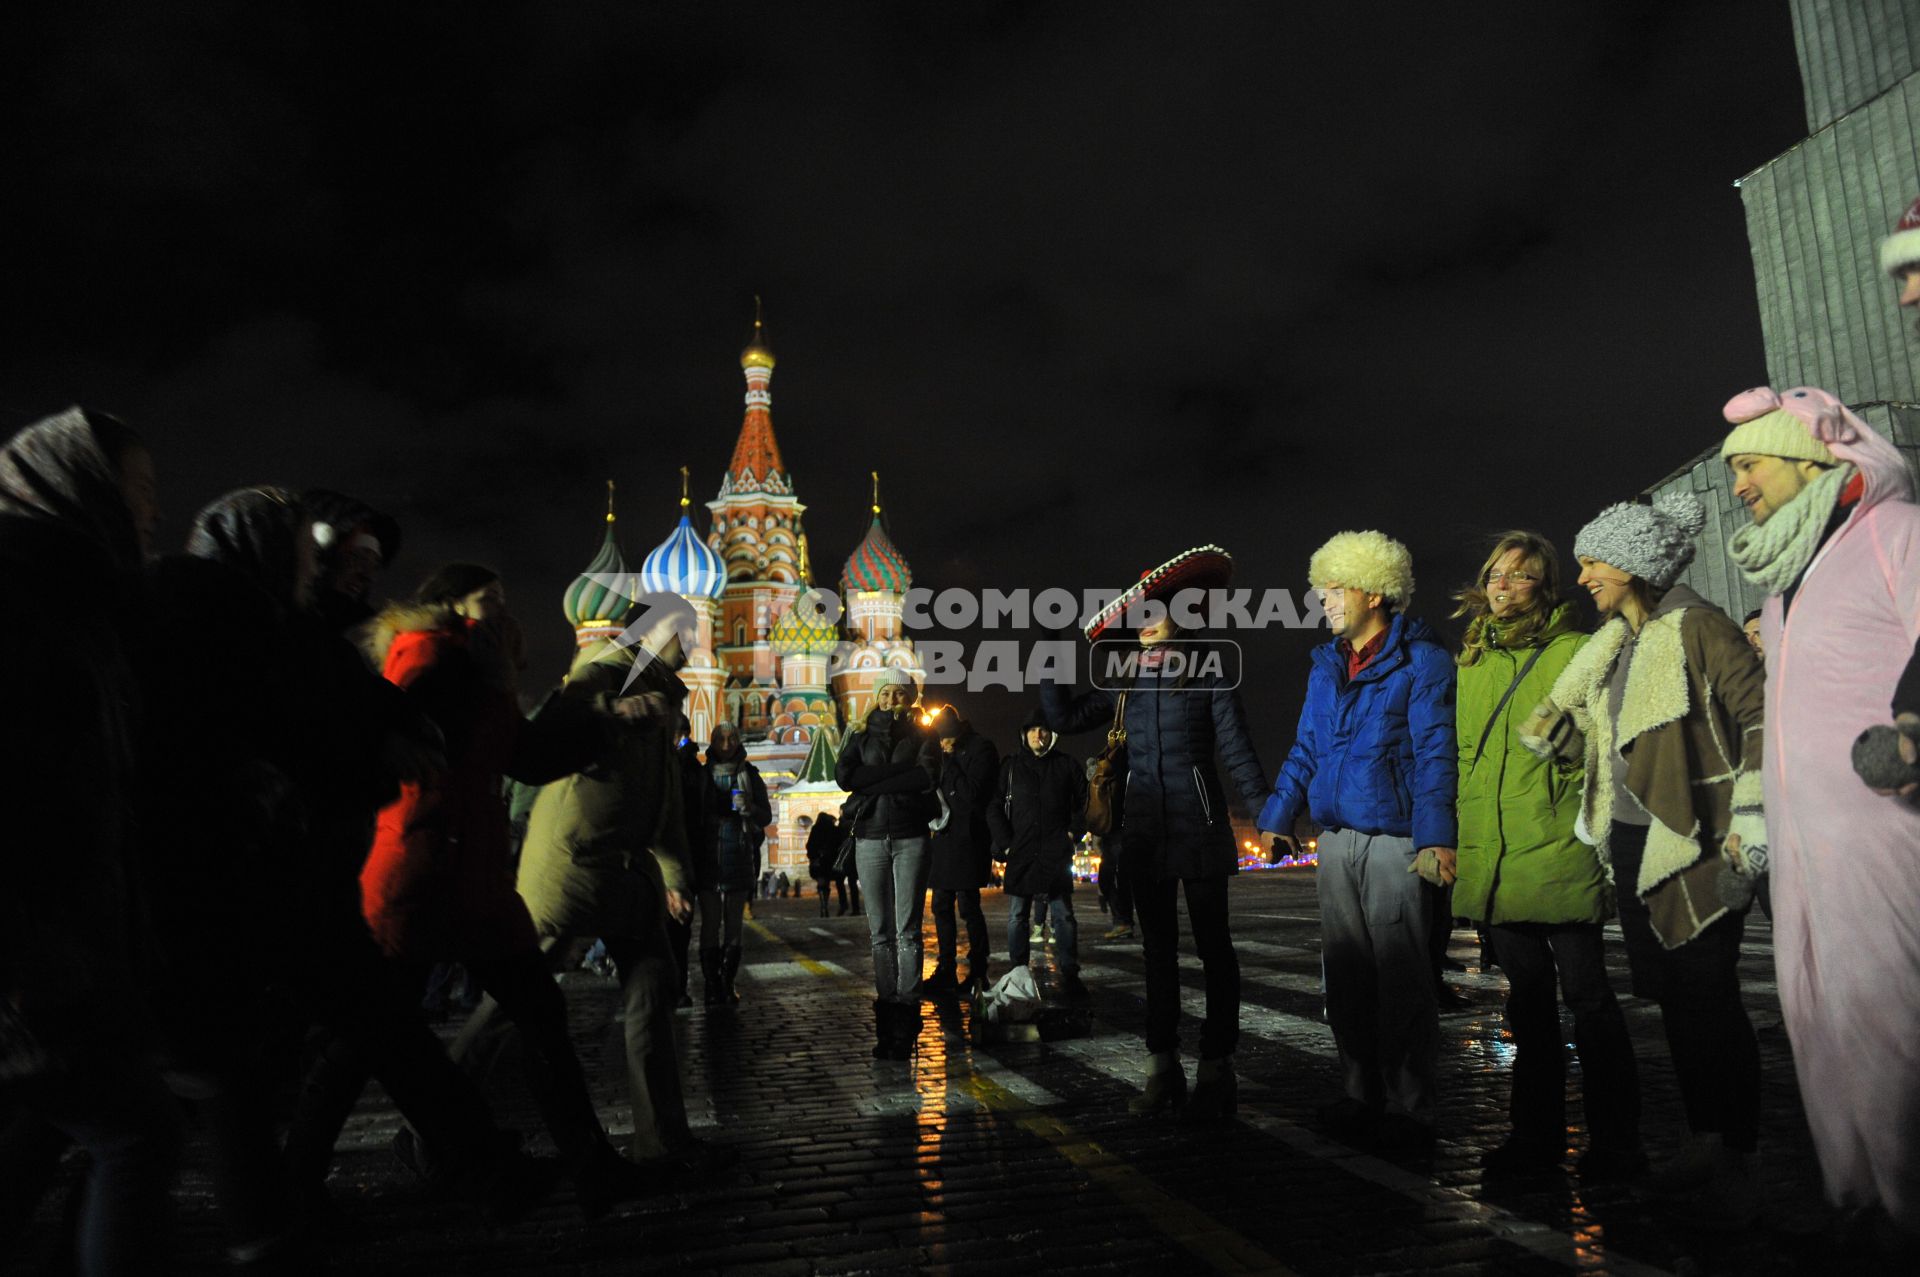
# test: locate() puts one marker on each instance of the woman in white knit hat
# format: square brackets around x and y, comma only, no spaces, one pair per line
[1668,696]
[888,765]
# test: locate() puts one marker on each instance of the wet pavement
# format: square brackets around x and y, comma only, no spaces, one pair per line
[1021,1157]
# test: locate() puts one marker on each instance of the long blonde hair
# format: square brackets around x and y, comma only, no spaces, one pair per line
[1483,631]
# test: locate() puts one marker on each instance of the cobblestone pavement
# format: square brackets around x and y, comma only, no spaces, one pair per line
[978,1159]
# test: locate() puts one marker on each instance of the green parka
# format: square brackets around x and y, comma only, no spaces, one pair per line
[1518,858]
[605,843]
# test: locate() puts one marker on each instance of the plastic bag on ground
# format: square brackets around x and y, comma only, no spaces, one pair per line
[1013,999]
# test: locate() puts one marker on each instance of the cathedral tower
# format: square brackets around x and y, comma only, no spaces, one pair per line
[757,536]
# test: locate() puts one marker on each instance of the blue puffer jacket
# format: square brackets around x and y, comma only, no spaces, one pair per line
[1376,754]
[1175,812]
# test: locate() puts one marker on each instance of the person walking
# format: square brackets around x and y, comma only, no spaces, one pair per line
[438,883]
[1664,708]
[1174,710]
[888,765]
[738,813]
[823,844]
[1038,817]
[606,858]
[77,1042]
[1540,893]
[961,851]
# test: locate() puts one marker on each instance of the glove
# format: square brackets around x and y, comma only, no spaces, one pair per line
[1550,733]
[1432,866]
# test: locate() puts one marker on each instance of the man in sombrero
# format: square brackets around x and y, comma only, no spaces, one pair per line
[1374,765]
[1176,702]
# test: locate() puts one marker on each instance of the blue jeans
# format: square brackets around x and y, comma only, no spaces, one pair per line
[1066,931]
[894,872]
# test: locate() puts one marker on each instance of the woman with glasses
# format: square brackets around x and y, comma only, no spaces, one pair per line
[1526,877]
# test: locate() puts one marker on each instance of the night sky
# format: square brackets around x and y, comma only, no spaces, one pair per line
[1087,284]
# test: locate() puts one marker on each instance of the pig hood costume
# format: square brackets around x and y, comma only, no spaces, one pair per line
[1846,862]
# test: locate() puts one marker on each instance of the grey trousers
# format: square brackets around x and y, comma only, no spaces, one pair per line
[650,988]
[893,873]
[1380,998]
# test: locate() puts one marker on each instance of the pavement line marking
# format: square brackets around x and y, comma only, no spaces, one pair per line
[1541,1239]
[1208,1240]
[823,932]
[1296,1031]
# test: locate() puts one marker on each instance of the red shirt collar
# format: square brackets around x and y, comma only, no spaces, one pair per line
[1359,660]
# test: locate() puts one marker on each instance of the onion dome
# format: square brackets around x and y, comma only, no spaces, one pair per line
[757,354]
[876,564]
[683,563]
[600,597]
[806,627]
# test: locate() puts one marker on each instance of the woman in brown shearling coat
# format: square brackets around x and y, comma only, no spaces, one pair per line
[1670,700]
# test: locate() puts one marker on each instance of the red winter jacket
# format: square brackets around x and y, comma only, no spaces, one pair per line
[438,884]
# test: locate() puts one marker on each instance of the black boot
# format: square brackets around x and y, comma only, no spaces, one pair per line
[729,968]
[939,984]
[1166,1086]
[883,1029]
[906,1029]
[823,904]
[710,975]
[1216,1093]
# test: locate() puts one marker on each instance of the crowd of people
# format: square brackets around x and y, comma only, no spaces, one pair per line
[237,753]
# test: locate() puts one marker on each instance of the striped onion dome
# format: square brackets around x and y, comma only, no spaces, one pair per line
[600,597]
[684,564]
[805,627]
[876,565]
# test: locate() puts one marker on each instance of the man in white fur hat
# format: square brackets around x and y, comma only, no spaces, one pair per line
[1374,764]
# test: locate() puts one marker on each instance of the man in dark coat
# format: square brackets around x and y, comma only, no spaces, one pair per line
[823,846]
[694,800]
[1038,816]
[961,848]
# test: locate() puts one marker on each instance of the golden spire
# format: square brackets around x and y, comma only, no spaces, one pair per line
[609,501]
[684,502]
[876,493]
[757,354]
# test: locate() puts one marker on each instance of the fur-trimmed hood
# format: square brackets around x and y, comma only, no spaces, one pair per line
[376,636]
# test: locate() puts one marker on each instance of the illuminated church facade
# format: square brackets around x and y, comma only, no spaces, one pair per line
[792,678]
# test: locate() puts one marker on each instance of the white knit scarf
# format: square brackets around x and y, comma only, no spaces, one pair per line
[1773,554]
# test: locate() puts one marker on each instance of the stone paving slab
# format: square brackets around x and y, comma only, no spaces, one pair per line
[1021,1157]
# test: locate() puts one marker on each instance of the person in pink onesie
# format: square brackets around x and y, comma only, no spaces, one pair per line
[1835,541]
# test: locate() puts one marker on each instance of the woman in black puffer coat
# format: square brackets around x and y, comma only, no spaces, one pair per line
[738,813]
[888,766]
[1037,818]
[1175,832]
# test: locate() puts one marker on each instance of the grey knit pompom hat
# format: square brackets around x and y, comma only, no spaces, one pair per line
[1653,542]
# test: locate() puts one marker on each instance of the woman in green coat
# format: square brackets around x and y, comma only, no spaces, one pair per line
[1523,874]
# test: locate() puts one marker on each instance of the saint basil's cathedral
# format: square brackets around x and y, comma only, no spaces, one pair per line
[789,677]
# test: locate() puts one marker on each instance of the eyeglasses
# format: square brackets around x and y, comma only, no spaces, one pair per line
[1511,578]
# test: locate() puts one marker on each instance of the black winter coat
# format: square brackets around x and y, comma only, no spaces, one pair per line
[888,766]
[823,846]
[696,801]
[1175,820]
[1037,817]
[962,851]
